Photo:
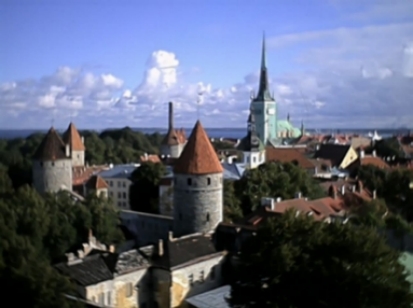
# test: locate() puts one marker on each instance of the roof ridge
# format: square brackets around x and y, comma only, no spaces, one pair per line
[72,137]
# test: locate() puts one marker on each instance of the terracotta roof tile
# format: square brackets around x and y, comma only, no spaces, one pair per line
[72,137]
[150,158]
[375,161]
[198,156]
[51,147]
[285,155]
[96,182]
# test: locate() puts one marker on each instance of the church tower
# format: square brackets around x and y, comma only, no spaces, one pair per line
[52,164]
[76,144]
[251,146]
[264,106]
[198,186]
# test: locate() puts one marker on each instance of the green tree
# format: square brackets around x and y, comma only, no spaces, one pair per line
[275,179]
[299,262]
[232,208]
[144,191]
[373,178]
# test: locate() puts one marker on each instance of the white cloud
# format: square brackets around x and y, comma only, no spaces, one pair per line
[354,77]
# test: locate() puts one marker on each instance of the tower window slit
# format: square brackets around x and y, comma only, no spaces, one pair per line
[189,181]
[207,217]
[209,181]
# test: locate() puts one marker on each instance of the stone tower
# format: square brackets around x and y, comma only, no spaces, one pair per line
[264,106]
[52,164]
[251,146]
[174,141]
[198,186]
[76,144]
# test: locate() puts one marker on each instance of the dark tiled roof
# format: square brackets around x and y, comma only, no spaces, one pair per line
[100,266]
[51,147]
[92,269]
[183,250]
[333,152]
[198,156]
[72,137]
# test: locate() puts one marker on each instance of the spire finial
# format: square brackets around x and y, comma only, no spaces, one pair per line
[263,62]
[52,122]
[288,117]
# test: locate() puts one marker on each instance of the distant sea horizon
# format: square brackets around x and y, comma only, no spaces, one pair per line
[233,133]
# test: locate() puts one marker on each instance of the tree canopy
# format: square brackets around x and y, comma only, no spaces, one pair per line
[144,191]
[275,179]
[299,262]
[37,232]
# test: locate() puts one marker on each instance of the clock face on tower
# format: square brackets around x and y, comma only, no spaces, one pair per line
[254,141]
[271,111]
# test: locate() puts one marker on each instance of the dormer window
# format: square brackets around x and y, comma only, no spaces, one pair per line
[189,181]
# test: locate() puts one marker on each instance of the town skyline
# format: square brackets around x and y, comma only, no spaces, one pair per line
[351,68]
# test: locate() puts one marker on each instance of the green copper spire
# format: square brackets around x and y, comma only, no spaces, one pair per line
[263,90]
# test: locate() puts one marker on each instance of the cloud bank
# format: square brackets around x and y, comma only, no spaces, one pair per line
[348,77]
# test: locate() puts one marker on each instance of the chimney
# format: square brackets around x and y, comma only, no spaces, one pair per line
[317,147]
[361,153]
[160,248]
[170,236]
[298,195]
[343,189]
[374,153]
[70,257]
[83,140]
[67,148]
[268,202]
[171,115]
[278,199]
[374,194]
[80,254]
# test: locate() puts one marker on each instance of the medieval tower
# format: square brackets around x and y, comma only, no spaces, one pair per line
[264,106]
[198,186]
[52,164]
[77,148]
[174,141]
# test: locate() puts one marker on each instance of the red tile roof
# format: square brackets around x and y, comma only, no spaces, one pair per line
[198,156]
[96,182]
[290,155]
[72,137]
[150,158]
[375,161]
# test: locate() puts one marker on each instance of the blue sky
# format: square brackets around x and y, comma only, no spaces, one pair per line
[332,63]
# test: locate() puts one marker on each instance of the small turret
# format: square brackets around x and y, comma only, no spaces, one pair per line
[174,141]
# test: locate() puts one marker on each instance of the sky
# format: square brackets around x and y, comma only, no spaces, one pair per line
[116,63]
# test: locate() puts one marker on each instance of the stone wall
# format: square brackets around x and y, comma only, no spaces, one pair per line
[197,203]
[52,176]
[173,151]
[147,228]
[78,158]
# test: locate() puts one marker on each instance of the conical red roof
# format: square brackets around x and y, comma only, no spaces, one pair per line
[51,147]
[198,156]
[72,137]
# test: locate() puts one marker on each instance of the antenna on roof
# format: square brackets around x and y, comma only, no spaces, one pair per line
[52,122]
[199,103]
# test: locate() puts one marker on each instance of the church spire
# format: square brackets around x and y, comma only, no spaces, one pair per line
[263,90]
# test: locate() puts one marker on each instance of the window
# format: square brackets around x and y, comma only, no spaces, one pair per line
[209,181]
[123,184]
[207,217]
[111,194]
[201,276]
[129,290]
[119,195]
[189,181]
[124,195]
[254,159]
[53,164]
[120,204]
[108,299]
[110,183]
[119,184]
[191,279]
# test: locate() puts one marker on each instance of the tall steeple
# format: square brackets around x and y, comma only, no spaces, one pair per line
[263,90]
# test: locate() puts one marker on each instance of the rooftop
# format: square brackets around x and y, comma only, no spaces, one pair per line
[52,147]
[211,299]
[119,171]
[72,137]
[198,156]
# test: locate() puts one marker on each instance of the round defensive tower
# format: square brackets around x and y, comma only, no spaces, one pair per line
[198,186]
[52,165]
